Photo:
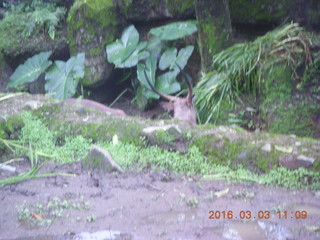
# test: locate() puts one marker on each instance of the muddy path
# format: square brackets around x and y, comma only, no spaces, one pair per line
[153,205]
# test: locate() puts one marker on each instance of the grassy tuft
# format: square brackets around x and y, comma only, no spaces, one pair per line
[243,68]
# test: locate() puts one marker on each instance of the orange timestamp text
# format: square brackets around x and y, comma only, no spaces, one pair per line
[257,215]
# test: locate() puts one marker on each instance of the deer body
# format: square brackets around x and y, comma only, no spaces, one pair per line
[183,108]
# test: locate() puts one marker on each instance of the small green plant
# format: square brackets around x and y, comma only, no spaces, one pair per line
[128,52]
[129,155]
[162,136]
[34,168]
[90,218]
[193,162]
[61,79]
[243,118]
[245,194]
[36,134]
[37,141]
[39,214]
[193,202]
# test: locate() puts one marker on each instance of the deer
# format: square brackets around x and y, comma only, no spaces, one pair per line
[182,107]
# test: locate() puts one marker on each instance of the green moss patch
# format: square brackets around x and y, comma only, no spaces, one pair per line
[179,8]
[96,18]
[91,26]
[261,12]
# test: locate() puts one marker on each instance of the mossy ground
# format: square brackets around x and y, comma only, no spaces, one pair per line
[230,152]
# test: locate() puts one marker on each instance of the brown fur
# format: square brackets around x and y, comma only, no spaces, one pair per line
[182,108]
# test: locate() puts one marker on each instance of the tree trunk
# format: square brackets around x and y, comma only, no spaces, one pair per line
[214,29]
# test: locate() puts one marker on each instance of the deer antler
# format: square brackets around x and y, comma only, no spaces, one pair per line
[182,107]
[190,93]
[168,97]
[165,96]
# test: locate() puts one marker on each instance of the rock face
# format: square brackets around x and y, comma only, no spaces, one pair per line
[155,10]
[214,29]
[5,73]
[144,10]
[100,159]
[244,12]
[275,12]
[92,24]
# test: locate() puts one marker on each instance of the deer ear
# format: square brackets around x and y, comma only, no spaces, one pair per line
[168,106]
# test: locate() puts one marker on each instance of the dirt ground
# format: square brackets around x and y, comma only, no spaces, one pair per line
[154,205]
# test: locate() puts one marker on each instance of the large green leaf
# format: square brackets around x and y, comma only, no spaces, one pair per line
[169,59]
[183,56]
[174,31]
[155,46]
[135,57]
[30,70]
[150,68]
[149,94]
[120,51]
[167,83]
[62,78]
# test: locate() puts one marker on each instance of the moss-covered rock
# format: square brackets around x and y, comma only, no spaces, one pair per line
[275,12]
[259,12]
[181,8]
[214,29]
[228,146]
[17,44]
[99,159]
[168,137]
[92,24]
[294,117]
[144,10]
[286,109]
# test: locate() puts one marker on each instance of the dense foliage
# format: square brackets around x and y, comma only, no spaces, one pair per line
[61,79]
[35,17]
[243,68]
[157,56]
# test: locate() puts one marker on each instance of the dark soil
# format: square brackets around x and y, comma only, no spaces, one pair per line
[158,205]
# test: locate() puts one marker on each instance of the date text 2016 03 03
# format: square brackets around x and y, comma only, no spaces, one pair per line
[257,215]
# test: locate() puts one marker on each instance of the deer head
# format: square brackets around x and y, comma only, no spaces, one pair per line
[182,107]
